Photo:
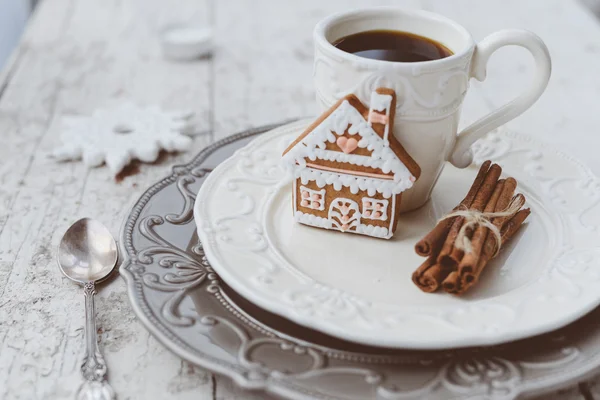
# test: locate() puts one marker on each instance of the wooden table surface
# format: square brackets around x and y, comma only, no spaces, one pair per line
[78,55]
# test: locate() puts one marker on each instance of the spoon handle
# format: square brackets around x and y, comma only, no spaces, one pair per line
[93,367]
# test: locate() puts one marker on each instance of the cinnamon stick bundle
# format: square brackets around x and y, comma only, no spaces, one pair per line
[461,245]
[450,255]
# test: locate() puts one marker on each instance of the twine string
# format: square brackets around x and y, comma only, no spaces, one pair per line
[475,218]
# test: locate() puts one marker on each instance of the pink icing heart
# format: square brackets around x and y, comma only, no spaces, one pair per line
[344,227]
[345,218]
[347,145]
[344,209]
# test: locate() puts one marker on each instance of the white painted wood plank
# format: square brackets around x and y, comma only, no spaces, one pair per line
[263,65]
[77,56]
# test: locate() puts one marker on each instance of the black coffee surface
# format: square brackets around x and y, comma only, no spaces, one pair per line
[391,45]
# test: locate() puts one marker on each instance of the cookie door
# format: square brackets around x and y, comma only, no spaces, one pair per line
[344,214]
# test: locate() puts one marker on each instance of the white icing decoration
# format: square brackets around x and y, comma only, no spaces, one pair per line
[312,146]
[369,207]
[320,222]
[371,230]
[355,159]
[311,193]
[381,102]
[340,208]
[312,220]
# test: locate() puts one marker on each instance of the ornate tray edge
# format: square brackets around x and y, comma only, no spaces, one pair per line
[144,313]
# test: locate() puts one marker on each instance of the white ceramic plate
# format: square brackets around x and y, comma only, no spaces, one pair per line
[360,289]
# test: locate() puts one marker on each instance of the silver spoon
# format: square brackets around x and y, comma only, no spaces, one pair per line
[87,254]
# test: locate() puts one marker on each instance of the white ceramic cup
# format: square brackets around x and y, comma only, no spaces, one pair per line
[430,93]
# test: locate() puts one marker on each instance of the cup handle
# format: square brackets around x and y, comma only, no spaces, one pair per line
[462,156]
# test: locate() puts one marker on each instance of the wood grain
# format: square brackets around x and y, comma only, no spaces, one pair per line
[77,55]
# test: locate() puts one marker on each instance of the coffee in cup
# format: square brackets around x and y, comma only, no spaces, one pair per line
[391,45]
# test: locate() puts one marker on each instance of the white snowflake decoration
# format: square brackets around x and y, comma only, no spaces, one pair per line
[117,136]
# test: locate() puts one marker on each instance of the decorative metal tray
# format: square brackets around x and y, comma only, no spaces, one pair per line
[185,305]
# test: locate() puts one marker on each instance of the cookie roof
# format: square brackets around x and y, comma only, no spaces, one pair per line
[387,154]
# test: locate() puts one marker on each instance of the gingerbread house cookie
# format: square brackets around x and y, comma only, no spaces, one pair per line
[349,170]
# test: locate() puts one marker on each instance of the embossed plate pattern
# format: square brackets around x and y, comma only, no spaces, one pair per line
[360,289]
[186,306]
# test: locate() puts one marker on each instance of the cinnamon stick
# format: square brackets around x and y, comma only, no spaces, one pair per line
[496,204]
[449,257]
[510,185]
[433,241]
[489,249]
[429,275]
[451,283]
[513,224]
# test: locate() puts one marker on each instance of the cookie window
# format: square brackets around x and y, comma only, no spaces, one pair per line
[313,199]
[374,209]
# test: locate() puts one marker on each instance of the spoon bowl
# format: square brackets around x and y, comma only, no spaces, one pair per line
[87,252]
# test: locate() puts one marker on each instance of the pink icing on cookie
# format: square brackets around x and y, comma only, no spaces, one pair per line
[376,118]
[347,145]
